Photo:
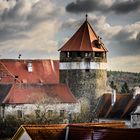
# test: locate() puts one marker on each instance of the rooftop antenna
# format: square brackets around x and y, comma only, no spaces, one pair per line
[86,16]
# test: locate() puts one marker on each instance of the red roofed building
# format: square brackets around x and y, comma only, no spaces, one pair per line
[26,83]
[27,98]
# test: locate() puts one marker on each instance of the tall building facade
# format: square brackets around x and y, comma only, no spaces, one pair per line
[83,60]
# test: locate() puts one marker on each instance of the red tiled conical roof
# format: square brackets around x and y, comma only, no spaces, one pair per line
[85,39]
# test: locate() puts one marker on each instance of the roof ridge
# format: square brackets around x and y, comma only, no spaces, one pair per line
[83,36]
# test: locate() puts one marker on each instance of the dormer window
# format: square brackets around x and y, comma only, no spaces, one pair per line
[86,54]
[29,67]
[97,43]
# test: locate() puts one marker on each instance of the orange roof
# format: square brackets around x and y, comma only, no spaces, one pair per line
[42,132]
[122,108]
[52,132]
[35,93]
[84,39]
[44,71]
[78,132]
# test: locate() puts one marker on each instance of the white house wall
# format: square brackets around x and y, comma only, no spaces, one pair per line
[27,109]
[25,136]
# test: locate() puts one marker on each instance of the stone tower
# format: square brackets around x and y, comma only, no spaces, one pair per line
[83,61]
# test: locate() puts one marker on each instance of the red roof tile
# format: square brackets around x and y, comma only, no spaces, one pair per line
[35,93]
[44,71]
[84,40]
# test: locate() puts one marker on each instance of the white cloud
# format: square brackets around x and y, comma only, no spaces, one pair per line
[106,2]
[125,63]
[29,27]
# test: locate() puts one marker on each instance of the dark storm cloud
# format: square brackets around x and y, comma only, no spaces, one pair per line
[133,44]
[124,45]
[125,7]
[122,35]
[84,6]
[94,5]
[81,6]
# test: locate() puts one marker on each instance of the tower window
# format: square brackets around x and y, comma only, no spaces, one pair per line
[68,54]
[86,54]
[97,54]
[78,54]
[87,70]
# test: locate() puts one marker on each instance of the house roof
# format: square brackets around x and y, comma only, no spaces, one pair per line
[85,39]
[42,132]
[39,93]
[124,105]
[44,71]
[77,131]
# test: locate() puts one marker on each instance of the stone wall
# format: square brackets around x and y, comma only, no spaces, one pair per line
[89,84]
[30,109]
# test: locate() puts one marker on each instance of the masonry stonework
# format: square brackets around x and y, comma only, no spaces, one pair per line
[88,84]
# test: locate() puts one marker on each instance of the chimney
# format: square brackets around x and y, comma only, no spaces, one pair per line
[113,97]
[19,56]
[136,91]
[29,67]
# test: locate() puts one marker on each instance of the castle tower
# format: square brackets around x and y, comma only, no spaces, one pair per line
[83,61]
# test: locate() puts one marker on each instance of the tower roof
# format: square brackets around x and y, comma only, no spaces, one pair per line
[85,39]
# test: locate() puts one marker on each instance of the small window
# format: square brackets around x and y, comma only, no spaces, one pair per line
[86,54]
[19,114]
[68,54]
[37,112]
[62,113]
[97,54]
[78,54]
[50,112]
[16,76]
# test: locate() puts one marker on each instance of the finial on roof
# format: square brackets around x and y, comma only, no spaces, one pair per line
[86,16]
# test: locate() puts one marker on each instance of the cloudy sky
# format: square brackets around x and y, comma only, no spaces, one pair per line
[38,28]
